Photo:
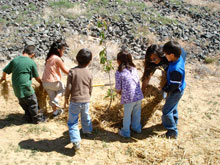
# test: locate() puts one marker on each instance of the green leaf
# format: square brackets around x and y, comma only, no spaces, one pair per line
[105,25]
[102,35]
[102,60]
[99,24]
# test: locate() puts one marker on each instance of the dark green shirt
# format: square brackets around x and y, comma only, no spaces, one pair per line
[23,69]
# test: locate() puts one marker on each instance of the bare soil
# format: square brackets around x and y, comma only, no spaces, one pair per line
[48,143]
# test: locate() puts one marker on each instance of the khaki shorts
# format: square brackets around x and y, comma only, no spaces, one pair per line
[54,90]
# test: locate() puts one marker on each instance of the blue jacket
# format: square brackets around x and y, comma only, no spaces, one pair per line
[176,75]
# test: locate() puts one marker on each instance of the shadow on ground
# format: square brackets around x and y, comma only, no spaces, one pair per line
[46,145]
[59,144]
[11,120]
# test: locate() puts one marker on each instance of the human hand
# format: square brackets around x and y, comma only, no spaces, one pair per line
[2,79]
[66,101]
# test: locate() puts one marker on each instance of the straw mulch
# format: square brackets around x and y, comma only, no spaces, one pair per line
[114,117]
[150,103]
[4,86]
[42,97]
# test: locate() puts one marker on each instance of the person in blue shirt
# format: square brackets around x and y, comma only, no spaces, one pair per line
[175,86]
[155,59]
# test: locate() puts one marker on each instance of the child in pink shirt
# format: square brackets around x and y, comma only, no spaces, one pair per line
[52,75]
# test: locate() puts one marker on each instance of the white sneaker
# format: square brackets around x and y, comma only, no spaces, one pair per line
[76,146]
[58,112]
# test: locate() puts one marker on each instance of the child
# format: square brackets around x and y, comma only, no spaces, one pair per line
[175,87]
[23,68]
[52,75]
[154,59]
[128,85]
[79,89]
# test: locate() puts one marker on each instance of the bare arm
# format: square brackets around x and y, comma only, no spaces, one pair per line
[62,67]
[38,80]
[145,83]
[68,89]
[3,78]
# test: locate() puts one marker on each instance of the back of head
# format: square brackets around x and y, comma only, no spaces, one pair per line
[125,60]
[154,49]
[29,49]
[83,57]
[57,45]
[172,47]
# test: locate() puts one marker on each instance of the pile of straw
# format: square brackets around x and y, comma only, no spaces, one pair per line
[5,89]
[114,117]
[41,97]
[150,103]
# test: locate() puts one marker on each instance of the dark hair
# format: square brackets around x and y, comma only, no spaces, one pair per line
[59,44]
[149,67]
[125,60]
[154,49]
[172,47]
[84,56]
[29,49]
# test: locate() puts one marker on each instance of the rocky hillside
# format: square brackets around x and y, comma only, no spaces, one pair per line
[132,24]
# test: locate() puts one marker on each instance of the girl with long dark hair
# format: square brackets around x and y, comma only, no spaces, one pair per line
[52,75]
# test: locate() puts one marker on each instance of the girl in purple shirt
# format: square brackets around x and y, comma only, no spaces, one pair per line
[128,85]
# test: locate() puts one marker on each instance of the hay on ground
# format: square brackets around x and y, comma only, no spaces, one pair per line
[114,117]
[41,97]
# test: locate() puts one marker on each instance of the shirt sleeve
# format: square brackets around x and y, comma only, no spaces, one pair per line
[68,85]
[34,70]
[118,82]
[90,89]
[175,81]
[8,68]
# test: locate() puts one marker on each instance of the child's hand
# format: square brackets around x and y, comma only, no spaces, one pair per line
[118,91]
[2,79]
[66,101]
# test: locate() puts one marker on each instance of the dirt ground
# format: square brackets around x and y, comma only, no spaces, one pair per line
[48,143]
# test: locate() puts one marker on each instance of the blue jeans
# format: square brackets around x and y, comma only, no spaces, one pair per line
[132,116]
[74,110]
[170,112]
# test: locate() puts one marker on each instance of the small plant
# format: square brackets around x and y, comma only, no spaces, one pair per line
[5,7]
[209,60]
[58,163]
[32,7]
[105,61]
[37,129]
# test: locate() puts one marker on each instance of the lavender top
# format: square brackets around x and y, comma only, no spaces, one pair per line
[128,83]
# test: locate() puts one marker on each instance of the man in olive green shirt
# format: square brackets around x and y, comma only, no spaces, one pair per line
[23,69]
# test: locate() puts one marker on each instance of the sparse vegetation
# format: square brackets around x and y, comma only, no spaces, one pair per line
[4,7]
[61,4]
[209,60]
[176,2]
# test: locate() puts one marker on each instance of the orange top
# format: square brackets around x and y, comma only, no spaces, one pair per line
[52,69]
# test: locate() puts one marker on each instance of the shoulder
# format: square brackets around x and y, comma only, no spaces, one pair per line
[55,58]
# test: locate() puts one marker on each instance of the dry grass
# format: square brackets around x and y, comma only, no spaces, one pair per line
[69,13]
[213,6]
[42,97]
[4,87]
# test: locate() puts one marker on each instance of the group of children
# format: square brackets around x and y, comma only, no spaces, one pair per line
[79,86]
